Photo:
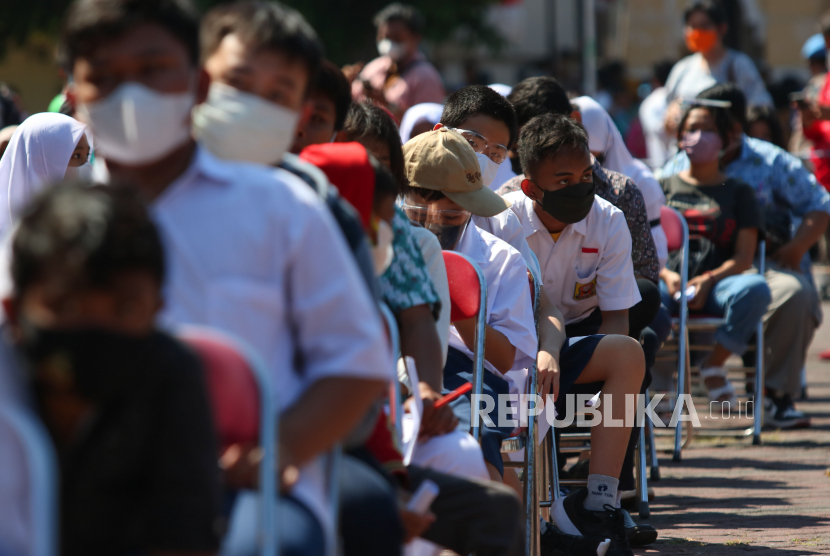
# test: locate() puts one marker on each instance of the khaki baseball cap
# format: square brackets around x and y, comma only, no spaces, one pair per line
[442,160]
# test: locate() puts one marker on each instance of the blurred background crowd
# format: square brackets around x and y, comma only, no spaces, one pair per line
[619,52]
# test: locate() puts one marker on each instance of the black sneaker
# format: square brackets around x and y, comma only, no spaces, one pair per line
[780,412]
[638,534]
[607,523]
[556,543]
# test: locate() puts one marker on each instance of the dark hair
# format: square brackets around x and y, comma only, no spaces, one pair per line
[536,96]
[730,93]
[264,25]
[332,84]
[90,22]
[85,233]
[723,121]
[713,11]
[406,14]
[428,195]
[479,99]
[824,23]
[385,184]
[67,109]
[770,117]
[366,120]
[544,136]
[661,70]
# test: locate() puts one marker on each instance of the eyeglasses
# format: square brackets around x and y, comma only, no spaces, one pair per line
[498,152]
[425,215]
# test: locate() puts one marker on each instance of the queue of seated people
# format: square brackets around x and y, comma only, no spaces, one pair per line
[293,248]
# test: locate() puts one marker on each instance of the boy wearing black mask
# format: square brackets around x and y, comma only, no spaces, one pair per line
[125,405]
[446,189]
[584,250]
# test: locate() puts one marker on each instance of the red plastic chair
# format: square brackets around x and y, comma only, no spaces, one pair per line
[468,299]
[243,410]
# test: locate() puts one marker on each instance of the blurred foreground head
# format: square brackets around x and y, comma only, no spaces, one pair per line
[86,256]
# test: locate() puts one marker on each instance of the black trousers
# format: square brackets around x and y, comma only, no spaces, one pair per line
[484,518]
[639,317]
[473,517]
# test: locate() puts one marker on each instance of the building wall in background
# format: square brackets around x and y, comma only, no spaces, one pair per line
[543,37]
[656,31]
[31,71]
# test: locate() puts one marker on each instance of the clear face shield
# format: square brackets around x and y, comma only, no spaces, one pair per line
[447,225]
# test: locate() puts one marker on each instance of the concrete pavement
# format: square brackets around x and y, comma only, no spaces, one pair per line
[728,497]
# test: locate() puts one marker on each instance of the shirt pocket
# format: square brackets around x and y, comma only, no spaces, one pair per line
[252,310]
[581,289]
[586,266]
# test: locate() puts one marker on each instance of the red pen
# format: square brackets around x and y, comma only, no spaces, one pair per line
[460,391]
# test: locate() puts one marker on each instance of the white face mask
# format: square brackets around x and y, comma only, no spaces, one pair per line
[395,50]
[382,253]
[240,126]
[136,125]
[489,169]
[79,173]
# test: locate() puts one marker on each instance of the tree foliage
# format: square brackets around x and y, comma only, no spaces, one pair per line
[345,26]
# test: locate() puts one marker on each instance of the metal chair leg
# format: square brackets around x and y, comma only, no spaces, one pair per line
[531,498]
[758,402]
[642,480]
[554,465]
[652,447]
[682,371]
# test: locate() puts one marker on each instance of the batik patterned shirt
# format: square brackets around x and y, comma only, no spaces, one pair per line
[406,283]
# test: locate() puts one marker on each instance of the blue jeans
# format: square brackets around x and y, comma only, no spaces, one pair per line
[741,300]
[300,534]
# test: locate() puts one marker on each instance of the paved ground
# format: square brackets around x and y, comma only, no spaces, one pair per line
[728,497]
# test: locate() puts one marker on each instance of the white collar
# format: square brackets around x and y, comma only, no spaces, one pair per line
[531,223]
[470,243]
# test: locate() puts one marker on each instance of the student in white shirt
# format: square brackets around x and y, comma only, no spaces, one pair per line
[486,119]
[584,249]
[446,189]
[250,250]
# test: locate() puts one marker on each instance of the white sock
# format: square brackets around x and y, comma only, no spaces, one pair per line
[618,504]
[602,490]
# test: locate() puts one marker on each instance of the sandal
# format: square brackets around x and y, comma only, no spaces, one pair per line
[728,389]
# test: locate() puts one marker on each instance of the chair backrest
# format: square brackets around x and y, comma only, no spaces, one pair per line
[673,225]
[244,411]
[396,400]
[468,297]
[465,286]
[232,387]
[21,432]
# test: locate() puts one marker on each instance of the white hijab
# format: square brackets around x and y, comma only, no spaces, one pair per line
[424,112]
[38,154]
[604,137]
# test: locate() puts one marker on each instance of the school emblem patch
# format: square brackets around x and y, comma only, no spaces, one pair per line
[585,291]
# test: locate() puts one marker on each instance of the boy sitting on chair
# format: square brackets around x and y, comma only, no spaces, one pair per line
[446,190]
[584,249]
[125,404]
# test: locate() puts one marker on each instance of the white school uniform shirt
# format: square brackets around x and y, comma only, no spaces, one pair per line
[506,227]
[509,309]
[590,266]
[252,251]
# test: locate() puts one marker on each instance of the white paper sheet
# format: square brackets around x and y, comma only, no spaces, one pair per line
[411,420]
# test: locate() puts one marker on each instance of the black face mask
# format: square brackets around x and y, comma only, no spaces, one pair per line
[100,365]
[570,204]
[448,236]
